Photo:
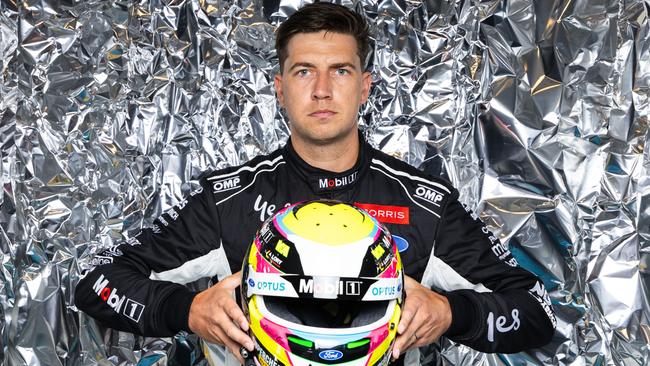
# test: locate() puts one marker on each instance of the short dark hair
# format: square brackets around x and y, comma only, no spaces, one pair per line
[322,16]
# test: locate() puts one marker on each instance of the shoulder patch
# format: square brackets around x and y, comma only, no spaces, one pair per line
[421,190]
[228,183]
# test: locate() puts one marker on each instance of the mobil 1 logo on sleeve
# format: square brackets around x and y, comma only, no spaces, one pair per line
[428,194]
[133,310]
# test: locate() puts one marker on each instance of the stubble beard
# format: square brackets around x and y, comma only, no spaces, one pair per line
[321,140]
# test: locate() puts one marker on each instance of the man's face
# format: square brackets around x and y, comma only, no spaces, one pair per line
[322,86]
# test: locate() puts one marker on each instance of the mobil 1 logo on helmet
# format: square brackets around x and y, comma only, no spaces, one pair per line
[428,194]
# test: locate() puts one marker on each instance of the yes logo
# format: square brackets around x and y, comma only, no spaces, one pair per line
[500,324]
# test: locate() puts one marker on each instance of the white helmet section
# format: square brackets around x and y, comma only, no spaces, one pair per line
[321,259]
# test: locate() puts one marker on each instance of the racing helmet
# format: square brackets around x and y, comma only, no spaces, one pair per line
[322,284]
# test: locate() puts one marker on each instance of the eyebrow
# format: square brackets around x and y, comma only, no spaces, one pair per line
[338,65]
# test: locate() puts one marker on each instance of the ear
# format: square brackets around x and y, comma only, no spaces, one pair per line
[278,88]
[366,80]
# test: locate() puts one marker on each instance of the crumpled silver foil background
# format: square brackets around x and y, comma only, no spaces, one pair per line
[538,111]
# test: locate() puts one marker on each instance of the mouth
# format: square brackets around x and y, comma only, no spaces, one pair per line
[322,113]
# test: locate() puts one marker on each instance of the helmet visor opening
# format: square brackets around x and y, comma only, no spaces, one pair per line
[326,313]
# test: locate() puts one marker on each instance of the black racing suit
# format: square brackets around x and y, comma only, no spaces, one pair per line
[496,305]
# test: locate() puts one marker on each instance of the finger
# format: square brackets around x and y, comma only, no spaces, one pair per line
[241,338]
[236,314]
[399,346]
[235,333]
[410,309]
[232,346]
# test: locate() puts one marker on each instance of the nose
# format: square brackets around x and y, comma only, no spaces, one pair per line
[323,87]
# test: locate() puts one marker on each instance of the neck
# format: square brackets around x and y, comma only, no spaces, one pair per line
[335,157]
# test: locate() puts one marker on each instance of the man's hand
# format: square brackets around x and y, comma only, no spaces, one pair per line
[425,317]
[216,317]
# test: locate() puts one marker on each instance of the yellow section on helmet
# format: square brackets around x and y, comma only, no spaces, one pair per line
[378,251]
[262,337]
[329,224]
[282,248]
[252,257]
[383,347]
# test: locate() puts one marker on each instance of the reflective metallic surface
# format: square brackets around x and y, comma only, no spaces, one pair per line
[538,111]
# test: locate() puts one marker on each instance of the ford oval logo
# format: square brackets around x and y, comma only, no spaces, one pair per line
[401,243]
[330,355]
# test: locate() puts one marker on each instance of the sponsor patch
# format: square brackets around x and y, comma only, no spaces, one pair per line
[226,184]
[401,243]
[112,252]
[132,309]
[539,293]
[330,355]
[100,260]
[329,183]
[133,241]
[329,287]
[386,214]
[428,194]
[265,359]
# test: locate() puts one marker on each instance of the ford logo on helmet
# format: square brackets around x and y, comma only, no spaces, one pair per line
[330,355]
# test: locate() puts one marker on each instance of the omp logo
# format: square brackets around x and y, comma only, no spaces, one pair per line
[330,183]
[330,355]
[428,194]
[226,184]
[110,296]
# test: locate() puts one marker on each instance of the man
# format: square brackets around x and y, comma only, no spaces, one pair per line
[462,282]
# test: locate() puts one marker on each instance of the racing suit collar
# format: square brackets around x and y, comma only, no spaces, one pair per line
[323,181]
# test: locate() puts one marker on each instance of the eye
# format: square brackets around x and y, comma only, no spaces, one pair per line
[302,72]
[342,71]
